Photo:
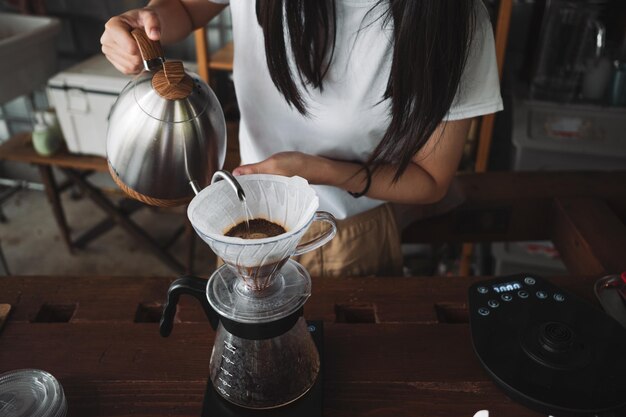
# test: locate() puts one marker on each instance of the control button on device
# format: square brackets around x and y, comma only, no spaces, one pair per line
[542,295]
[559,297]
[507,297]
[483,311]
[483,290]
[493,303]
[529,281]
[522,294]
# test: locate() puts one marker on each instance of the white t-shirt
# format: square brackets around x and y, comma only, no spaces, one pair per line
[347,120]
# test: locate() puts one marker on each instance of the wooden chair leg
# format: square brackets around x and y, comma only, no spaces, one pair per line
[52,192]
[486,127]
[4,268]
[202,53]
[466,259]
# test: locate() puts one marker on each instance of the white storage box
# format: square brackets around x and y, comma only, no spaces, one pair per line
[552,136]
[526,257]
[83,96]
[27,53]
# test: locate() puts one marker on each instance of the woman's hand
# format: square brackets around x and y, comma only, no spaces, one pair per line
[287,164]
[315,169]
[167,21]
[120,47]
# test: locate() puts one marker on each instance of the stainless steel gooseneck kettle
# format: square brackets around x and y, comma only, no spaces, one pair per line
[167,134]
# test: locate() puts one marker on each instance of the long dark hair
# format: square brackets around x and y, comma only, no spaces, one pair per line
[431,43]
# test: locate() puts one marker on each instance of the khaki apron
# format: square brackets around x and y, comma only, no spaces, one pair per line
[366,244]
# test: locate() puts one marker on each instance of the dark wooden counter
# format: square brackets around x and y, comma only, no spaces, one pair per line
[393,346]
[410,355]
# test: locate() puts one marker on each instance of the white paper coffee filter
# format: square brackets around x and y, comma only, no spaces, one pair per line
[288,201]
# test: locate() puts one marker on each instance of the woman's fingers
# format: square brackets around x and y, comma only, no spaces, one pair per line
[246,170]
[125,63]
[117,34]
[282,163]
[149,20]
[120,47]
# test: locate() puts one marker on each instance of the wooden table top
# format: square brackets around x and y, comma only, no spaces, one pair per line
[414,359]
[20,149]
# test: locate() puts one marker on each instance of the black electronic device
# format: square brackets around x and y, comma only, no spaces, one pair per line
[548,349]
[309,405]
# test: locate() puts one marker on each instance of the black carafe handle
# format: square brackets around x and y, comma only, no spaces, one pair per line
[185,285]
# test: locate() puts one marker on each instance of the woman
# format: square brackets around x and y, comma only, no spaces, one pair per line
[370,100]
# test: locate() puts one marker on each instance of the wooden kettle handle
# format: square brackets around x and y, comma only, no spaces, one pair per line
[149,49]
[169,79]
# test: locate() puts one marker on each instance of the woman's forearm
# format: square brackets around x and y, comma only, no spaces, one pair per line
[415,185]
[426,179]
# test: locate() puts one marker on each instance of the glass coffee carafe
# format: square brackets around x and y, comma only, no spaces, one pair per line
[263,355]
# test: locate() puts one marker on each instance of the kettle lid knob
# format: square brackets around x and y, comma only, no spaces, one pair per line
[171,82]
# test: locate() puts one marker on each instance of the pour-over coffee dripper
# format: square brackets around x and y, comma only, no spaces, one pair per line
[263,355]
[289,202]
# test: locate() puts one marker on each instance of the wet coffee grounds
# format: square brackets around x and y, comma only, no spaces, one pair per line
[258,229]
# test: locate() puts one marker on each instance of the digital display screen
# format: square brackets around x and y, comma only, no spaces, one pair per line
[507,286]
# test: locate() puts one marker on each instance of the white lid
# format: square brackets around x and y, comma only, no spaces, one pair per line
[31,393]
[94,74]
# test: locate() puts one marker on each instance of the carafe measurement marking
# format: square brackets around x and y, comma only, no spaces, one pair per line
[228,360]
[223,391]
[224,382]
[230,347]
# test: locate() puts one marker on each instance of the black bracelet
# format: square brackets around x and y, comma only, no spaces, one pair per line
[367,184]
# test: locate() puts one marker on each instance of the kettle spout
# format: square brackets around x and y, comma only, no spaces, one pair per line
[230,179]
